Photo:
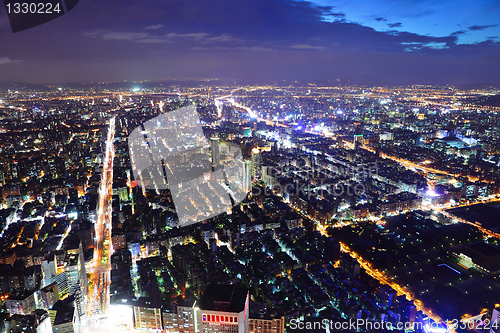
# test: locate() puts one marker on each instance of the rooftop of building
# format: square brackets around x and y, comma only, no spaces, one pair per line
[224,298]
[149,302]
[64,315]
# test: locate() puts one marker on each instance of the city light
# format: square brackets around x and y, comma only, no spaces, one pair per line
[353,197]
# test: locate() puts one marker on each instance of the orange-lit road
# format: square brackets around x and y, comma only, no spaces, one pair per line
[379,276]
[252,114]
[409,164]
[405,163]
[383,278]
[475,224]
[99,270]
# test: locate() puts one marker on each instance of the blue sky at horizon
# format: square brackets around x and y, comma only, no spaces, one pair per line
[475,21]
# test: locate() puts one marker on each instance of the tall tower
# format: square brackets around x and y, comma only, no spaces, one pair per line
[256,163]
[76,284]
[83,290]
[215,147]
[247,175]
[83,272]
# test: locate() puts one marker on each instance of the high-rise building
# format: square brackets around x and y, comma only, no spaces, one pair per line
[349,265]
[61,280]
[412,314]
[185,319]
[268,176]
[147,314]
[215,147]
[84,291]
[87,234]
[49,269]
[72,273]
[49,296]
[121,311]
[387,295]
[22,304]
[358,138]
[77,280]
[247,132]
[38,321]
[256,163]
[65,317]
[119,241]
[276,325]
[14,170]
[224,309]
[247,175]
[169,317]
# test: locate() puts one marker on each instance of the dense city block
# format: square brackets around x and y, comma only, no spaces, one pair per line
[360,203]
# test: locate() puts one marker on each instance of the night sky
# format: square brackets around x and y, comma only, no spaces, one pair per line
[395,41]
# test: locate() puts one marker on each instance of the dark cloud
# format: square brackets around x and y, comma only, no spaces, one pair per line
[380,19]
[307,47]
[395,25]
[458,33]
[7,60]
[482,27]
[419,14]
[336,14]
[154,27]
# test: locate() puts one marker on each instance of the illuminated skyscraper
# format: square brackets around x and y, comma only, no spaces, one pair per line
[83,273]
[256,163]
[247,132]
[214,145]
[77,281]
[49,269]
[247,175]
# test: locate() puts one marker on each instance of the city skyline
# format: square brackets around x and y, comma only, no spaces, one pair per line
[267,166]
[373,203]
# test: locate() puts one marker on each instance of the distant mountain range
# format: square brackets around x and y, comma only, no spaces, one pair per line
[357,80]
[5,85]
